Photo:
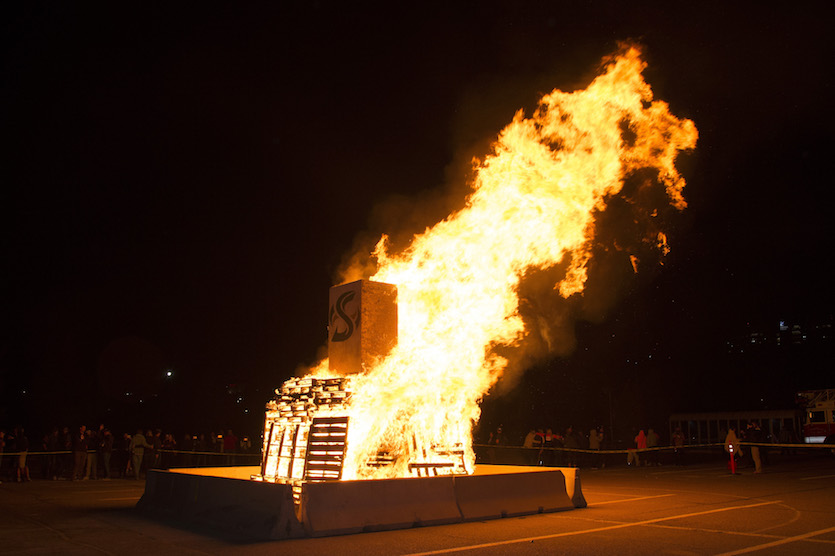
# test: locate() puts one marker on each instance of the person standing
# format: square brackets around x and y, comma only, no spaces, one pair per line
[79,452]
[595,440]
[169,451]
[106,450]
[678,446]
[2,447]
[652,445]
[571,442]
[732,447]
[527,445]
[156,453]
[53,445]
[640,444]
[65,460]
[755,435]
[22,447]
[230,446]
[201,446]
[92,463]
[138,444]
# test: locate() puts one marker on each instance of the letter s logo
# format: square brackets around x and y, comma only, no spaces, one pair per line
[338,313]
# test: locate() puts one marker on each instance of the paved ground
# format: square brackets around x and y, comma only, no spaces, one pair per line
[699,509]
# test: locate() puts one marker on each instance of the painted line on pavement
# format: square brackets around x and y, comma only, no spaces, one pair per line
[628,500]
[585,531]
[778,543]
[818,477]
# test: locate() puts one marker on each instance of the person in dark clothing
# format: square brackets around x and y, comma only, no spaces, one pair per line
[106,451]
[201,447]
[572,442]
[65,461]
[755,434]
[53,446]
[2,448]
[79,451]
[92,463]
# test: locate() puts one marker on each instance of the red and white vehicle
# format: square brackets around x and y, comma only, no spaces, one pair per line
[820,406]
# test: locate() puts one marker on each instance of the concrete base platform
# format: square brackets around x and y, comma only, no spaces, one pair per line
[224,500]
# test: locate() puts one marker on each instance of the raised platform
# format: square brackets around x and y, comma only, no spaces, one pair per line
[223,499]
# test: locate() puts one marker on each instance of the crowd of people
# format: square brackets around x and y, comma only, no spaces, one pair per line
[572,448]
[96,453]
[547,447]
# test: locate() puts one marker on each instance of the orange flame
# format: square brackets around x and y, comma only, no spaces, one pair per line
[532,206]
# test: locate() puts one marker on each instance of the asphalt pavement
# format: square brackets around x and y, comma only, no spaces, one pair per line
[696,509]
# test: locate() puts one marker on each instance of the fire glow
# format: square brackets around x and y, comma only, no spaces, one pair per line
[532,206]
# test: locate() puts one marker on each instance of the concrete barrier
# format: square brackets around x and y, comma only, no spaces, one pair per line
[228,505]
[225,502]
[336,508]
[573,487]
[513,491]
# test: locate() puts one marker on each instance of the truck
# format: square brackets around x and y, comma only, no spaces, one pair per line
[818,424]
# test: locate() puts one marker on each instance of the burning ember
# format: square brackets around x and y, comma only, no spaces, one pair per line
[408,405]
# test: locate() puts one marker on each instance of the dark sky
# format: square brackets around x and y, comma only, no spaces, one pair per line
[181,186]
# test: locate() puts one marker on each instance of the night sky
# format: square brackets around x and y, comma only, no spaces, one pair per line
[182,185]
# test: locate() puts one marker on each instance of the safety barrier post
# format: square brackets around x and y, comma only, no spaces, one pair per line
[733,462]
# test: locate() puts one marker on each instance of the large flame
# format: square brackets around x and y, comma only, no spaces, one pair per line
[532,206]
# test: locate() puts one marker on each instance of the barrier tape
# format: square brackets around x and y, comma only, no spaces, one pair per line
[500,446]
[52,453]
[658,448]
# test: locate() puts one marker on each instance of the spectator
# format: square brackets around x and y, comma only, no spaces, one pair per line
[571,443]
[732,446]
[156,454]
[52,445]
[79,451]
[595,440]
[246,445]
[123,456]
[230,446]
[169,446]
[22,447]
[202,447]
[755,435]
[66,461]
[106,450]
[138,444]
[652,445]
[2,448]
[678,446]
[92,463]
[640,444]
[528,442]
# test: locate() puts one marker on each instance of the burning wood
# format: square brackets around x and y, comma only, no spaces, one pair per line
[306,431]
